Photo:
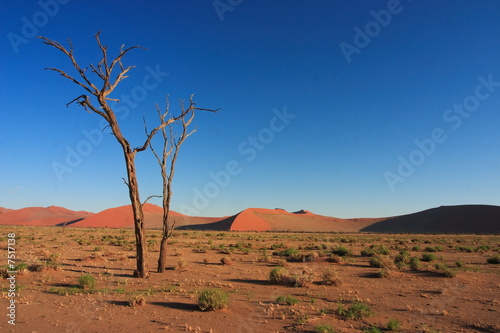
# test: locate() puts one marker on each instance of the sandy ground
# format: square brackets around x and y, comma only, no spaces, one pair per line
[421,300]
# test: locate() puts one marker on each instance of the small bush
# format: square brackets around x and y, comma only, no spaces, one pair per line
[287,300]
[415,263]
[372,329]
[324,328]
[213,299]
[393,325]
[21,268]
[336,259]
[278,275]
[342,251]
[301,280]
[494,260]
[379,261]
[402,258]
[428,257]
[445,270]
[384,273]
[356,311]
[86,281]
[330,277]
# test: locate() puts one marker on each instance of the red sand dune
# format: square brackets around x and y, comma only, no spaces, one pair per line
[41,216]
[4,210]
[260,219]
[122,217]
[474,219]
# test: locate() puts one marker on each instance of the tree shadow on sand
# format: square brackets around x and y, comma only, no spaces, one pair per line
[178,306]
[251,281]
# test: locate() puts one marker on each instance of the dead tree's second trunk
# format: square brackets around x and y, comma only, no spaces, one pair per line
[162,260]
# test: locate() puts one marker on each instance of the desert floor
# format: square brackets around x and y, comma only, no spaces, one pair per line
[459,291]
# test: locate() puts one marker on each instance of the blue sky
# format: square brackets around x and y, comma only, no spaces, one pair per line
[343,108]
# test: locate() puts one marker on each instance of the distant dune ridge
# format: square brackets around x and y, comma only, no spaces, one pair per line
[41,216]
[470,219]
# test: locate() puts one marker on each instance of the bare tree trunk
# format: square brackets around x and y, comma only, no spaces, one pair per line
[142,268]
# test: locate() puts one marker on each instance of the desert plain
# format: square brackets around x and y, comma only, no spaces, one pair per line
[273,281]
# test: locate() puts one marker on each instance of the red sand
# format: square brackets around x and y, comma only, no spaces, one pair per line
[41,216]
[248,221]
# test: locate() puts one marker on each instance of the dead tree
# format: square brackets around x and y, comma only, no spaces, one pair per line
[169,153]
[99,88]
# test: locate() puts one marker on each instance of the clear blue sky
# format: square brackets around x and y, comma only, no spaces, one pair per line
[343,108]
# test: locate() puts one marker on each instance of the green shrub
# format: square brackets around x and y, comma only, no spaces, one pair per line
[402,257]
[372,329]
[445,270]
[393,325]
[495,260]
[21,268]
[324,328]
[375,249]
[384,273]
[291,252]
[342,251]
[449,273]
[213,299]
[86,281]
[415,263]
[379,261]
[356,311]
[278,275]
[428,257]
[287,300]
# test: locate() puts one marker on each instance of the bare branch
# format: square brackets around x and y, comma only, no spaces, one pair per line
[90,87]
[62,73]
[150,197]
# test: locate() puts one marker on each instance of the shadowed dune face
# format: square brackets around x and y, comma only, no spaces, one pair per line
[464,219]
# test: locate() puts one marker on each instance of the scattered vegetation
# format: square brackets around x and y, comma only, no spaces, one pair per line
[287,300]
[278,275]
[356,311]
[213,299]
[86,281]
[324,328]
[330,277]
[341,251]
[393,325]
[428,257]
